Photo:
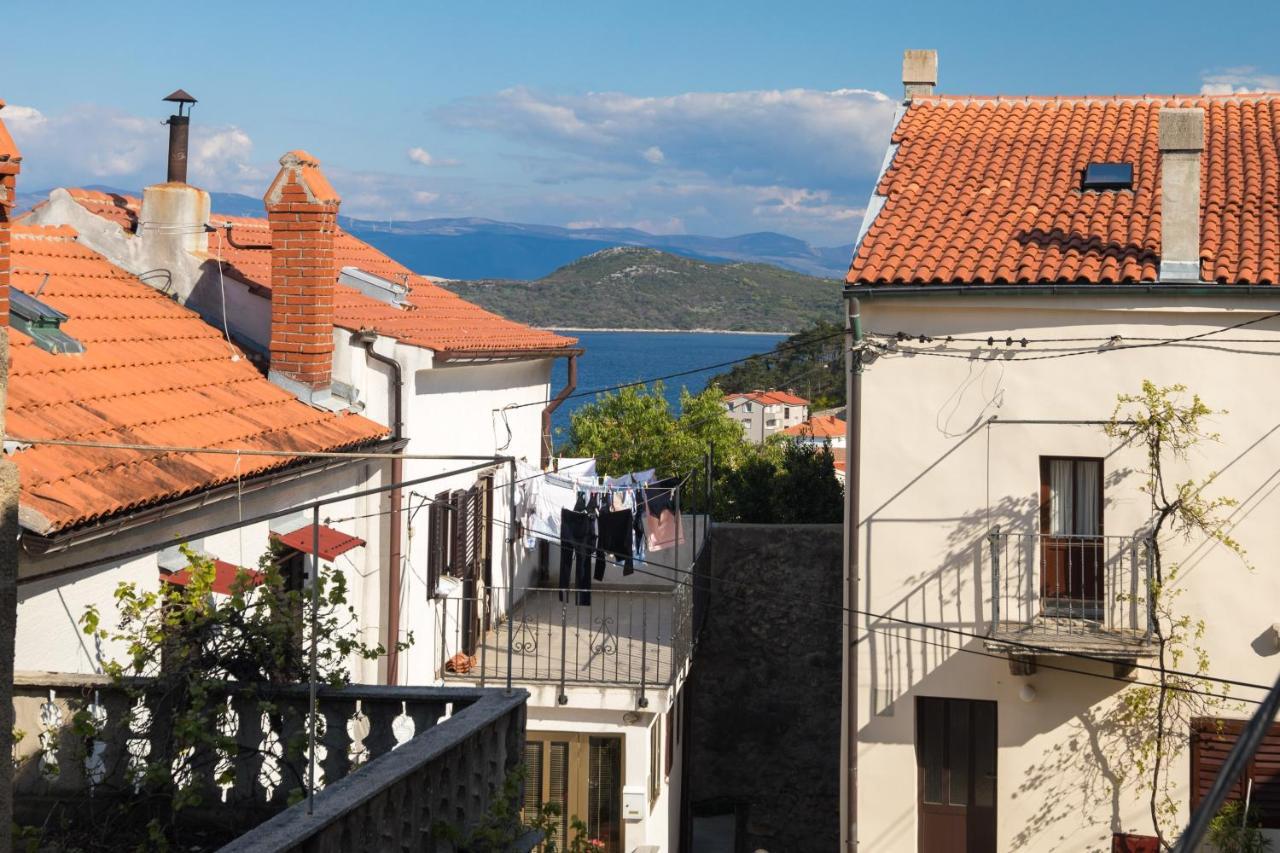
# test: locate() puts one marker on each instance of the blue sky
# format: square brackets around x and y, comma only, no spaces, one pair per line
[715,118]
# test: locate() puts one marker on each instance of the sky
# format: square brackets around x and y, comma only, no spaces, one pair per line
[715,118]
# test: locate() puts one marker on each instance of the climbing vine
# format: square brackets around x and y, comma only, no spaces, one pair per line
[1167,425]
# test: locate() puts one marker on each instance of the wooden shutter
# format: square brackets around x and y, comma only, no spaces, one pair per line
[1211,742]
[437,540]
[670,749]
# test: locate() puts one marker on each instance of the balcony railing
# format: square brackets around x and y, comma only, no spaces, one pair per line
[629,637]
[391,762]
[1078,591]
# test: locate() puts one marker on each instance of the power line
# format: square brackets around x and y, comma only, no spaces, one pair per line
[1027,647]
[782,347]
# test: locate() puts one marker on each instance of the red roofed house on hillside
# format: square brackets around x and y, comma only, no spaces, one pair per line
[766,413]
[819,430]
[1022,262]
[343,327]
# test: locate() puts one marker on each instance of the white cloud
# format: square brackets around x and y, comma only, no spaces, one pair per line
[798,137]
[1240,80]
[423,157]
[94,144]
[424,197]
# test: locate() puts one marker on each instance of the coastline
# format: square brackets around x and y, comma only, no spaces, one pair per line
[682,331]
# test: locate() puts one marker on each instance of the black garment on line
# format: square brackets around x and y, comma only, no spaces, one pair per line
[615,539]
[660,495]
[577,543]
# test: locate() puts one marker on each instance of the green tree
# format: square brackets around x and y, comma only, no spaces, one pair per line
[811,362]
[785,483]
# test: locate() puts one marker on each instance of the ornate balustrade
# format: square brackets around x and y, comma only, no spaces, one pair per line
[391,762]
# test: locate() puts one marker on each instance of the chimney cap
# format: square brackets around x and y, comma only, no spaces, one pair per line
[1181,129]
[919,72]
[179,96]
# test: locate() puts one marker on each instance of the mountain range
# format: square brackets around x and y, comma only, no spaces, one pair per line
[488,249]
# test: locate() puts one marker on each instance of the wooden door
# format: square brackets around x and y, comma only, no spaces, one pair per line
[956,768]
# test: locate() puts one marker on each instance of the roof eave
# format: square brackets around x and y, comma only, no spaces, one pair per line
[496,355]
[44,542]
[882,290]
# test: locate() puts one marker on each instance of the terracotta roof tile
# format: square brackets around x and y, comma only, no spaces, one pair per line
[819,426]
[152,372]
[769,398]
[434,318]
[987,190]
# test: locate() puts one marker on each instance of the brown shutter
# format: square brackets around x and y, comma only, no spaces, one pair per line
[1211,742]
[670,754]
[437,540]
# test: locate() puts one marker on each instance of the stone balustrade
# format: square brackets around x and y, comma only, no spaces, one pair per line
[424,755]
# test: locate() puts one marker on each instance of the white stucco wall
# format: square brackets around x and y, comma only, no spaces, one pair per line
[930,496]
[49,608]
[659,823]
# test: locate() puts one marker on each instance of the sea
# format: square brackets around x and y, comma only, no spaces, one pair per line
[614,358]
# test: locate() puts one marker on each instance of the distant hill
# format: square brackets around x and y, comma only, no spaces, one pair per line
[635,288]
[488,249]
[811,361]
[485,249]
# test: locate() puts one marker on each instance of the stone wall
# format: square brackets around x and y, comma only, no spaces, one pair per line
[764,728]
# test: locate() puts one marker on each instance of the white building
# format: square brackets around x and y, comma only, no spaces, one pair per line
[766,413]
[448,379]
[1001,544]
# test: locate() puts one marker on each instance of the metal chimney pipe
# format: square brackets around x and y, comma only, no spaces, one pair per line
[179,133]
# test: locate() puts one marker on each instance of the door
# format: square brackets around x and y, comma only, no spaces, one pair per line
[956,775]
[582,775]
[1071,555]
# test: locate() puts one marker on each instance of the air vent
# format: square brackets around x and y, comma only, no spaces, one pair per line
[40,323]
[369,284]
[1108,176]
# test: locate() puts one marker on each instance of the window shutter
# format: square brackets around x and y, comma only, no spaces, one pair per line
[1211,741]
[437,540]
[670,750]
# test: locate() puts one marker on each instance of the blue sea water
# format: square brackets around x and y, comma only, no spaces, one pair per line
[613,358]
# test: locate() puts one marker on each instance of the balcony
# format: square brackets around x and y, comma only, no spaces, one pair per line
[1084,595]
[634,638]
[391,762]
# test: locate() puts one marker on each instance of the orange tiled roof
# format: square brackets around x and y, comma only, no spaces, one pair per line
[152,372]
[987,190]
[819,426]
[768,398]
[435,318]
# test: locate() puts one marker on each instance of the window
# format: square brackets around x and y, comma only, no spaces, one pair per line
[730,405]
[1211,741]
[748,405]
[655,758]
[1070,496]
[786,413]
[1108,176]
[582,774]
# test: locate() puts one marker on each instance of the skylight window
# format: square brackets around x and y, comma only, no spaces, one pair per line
[41,323]
[1108,176]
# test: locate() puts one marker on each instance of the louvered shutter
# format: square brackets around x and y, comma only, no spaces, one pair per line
[1211,742]
[437,540]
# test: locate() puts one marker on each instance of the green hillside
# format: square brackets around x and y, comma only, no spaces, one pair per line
[635,288]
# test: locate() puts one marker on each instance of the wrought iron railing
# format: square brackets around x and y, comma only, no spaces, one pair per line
[633,637]
[1070,584]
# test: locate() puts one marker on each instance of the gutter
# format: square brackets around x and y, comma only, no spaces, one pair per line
[481,356]
[36,544]
[1151,288]
[367,338]
[571,382]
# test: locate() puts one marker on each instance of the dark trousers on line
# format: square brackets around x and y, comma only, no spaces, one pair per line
[577,545]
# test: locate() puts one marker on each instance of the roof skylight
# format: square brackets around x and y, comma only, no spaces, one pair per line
[1108,176]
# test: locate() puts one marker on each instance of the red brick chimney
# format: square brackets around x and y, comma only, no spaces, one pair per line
[10,163]
[302,209]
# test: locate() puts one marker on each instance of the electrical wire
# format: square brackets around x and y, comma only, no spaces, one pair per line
[773,594]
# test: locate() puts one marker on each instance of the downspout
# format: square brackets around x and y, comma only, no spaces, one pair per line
[852,514]
[366,338]
[571,382]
